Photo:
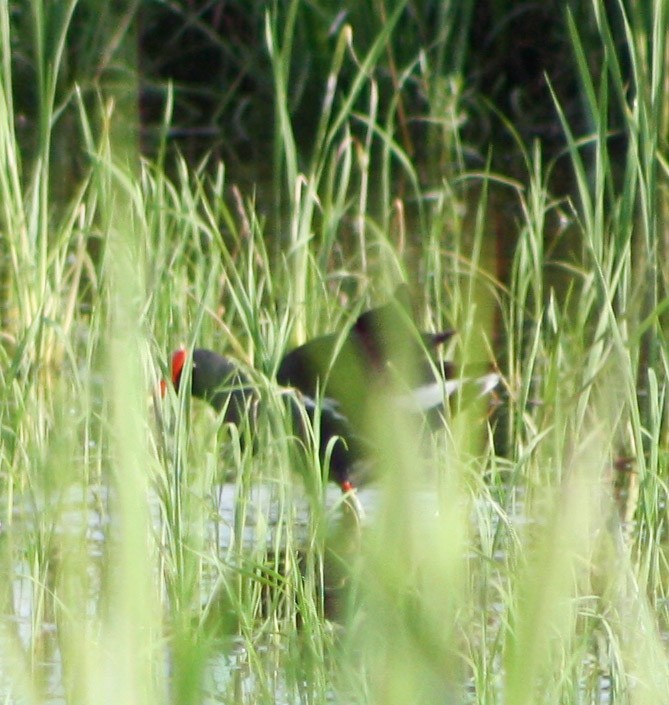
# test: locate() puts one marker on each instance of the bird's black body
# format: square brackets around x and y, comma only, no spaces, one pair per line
[381,355]
[220,381]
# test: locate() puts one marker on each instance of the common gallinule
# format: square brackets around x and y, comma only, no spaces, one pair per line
[382,356]
[338,377]
[221,382]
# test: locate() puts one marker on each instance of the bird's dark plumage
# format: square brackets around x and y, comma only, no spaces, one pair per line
[217,380]
[382,353]
[220,381]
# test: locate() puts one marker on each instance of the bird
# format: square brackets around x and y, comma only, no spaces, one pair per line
[335,379]
[382,355]
[220,381]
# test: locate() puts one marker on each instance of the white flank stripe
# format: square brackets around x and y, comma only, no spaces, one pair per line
[425,397]
[429,396]
[488,382]
[329,406]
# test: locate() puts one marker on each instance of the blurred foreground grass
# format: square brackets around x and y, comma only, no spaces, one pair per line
[516,559]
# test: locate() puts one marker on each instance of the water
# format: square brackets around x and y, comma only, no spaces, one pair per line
[52,527]
[233,669]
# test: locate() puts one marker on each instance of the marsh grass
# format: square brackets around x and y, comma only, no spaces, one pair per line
[152,553]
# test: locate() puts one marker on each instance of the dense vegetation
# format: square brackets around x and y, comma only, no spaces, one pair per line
[510,164]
